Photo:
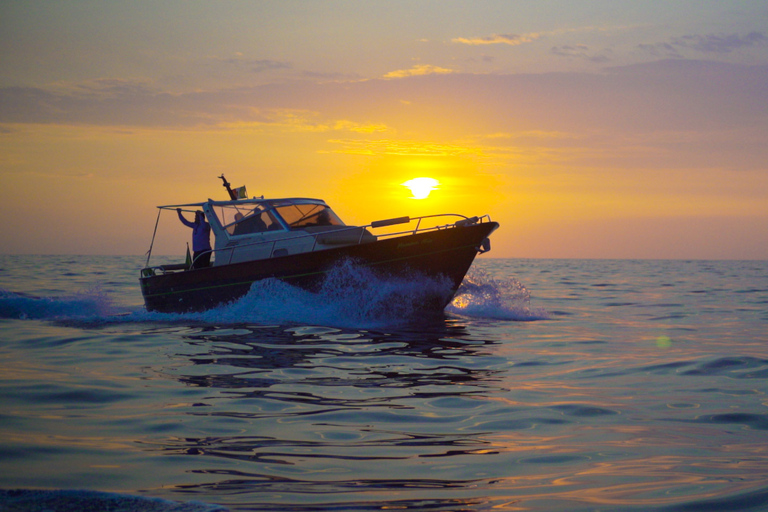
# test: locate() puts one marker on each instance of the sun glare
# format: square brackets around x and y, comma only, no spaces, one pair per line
[421,187]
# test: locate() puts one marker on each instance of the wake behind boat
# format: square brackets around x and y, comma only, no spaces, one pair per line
[299,240]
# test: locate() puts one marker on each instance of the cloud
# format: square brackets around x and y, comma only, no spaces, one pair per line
[257,65]
[261,65]
[580,51]
[359,127]
[621,100]
[510,39]
[714,43]
[111,105]
[332,76]
[296,120]
[666,50]
[706,43]
[393,147]
[105,88]
[418,70]
[530,135]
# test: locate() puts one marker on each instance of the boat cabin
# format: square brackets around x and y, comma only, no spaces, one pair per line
[254,229]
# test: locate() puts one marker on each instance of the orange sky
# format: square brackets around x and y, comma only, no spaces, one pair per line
[616,130]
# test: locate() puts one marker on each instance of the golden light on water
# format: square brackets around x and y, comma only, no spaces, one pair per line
[421,187]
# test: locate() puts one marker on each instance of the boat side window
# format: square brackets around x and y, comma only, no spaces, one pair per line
[306,215]
[255,221]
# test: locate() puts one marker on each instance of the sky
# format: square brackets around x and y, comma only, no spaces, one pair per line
[586,128]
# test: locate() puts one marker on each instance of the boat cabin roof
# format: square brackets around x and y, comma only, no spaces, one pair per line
[239,202]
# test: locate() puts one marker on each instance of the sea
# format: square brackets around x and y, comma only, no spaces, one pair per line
[547,385]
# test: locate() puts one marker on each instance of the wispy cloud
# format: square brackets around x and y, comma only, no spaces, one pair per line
[393,147]
[332,76]
[518,39]
[288,120]
[705,43]
[580,51]
[421,69]
[510,39]
[616,101]
[530,135]
[359,127]
[715,43]
[660,49]
[255,65]
[261,65]
[105,88]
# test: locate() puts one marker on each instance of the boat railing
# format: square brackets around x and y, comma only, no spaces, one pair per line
[464,221]
[321,237]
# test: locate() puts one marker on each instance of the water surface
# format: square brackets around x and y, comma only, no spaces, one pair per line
[548,385]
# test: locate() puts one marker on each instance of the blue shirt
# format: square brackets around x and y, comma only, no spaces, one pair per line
[201,233]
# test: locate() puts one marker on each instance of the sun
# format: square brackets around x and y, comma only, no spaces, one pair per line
[421,187]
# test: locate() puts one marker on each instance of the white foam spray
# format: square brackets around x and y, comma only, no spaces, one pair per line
[483,296]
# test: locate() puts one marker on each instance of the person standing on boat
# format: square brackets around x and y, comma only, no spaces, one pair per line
[201,239]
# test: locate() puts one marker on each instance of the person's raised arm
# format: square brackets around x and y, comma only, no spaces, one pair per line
[183,220]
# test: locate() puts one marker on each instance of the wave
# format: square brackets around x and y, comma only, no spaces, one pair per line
[351,296]
[483,296]
[90,303]
[23,499]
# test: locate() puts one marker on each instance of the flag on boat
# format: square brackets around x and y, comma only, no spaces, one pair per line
[241,193]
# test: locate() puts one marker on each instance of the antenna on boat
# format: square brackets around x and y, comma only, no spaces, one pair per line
[232,194]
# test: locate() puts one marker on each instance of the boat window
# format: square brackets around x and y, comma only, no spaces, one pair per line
[249,219]
[306,215]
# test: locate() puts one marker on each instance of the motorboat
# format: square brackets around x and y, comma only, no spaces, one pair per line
[299,241]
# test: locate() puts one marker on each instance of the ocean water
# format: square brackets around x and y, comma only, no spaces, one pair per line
[548,385]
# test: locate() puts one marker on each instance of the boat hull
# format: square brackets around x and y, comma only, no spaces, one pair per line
[446,253]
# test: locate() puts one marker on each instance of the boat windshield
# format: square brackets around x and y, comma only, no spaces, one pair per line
[245,219]
[306,215]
